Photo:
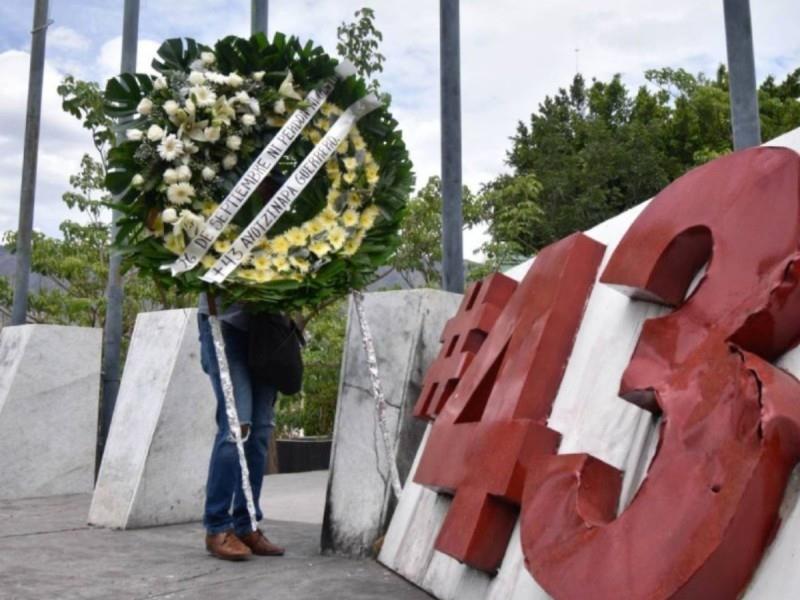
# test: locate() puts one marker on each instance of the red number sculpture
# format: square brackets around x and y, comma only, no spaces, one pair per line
[730,433]
[498,410]
[461,339]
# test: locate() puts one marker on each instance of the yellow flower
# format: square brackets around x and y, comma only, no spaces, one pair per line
[315,136]
[336,182]
[353,200]
[358,141]
[319,248]
[350,218]
[301,264]
[313,227]
[249,274]
[343,147]
[332,168]
[327,109]
[222,246]
[350,177]
[280,263]
[276,122]
[372,173]
[261,262]
[337,237]
[296,236]
[350,163]
[174,243]
[279,245]
[333,196]
[323,124]
[351,247]
[369,215]
[208,261]
[208,207]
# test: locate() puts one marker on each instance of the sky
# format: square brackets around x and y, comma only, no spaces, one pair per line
[514,53]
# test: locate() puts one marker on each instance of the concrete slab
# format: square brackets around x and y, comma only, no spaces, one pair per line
[156,459]
[406,327]
[48,551]
[49,394]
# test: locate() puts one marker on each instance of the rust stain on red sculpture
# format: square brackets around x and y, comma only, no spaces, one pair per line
[498,409]
[730,433]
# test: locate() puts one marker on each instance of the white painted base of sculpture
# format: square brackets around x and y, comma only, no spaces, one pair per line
[591,418]
[156,458]
[405,326]
[49,394]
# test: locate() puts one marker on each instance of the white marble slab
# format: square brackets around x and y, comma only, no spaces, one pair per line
[405,326]
[156,458]
[49,394]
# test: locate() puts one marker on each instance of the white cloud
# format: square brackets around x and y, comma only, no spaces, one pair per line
[64,38]
[62,143]
[111,55]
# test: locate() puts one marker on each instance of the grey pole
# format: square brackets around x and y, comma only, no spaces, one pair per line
[742,74]
[27,195]
[452,218]
[259,16]
[112,331]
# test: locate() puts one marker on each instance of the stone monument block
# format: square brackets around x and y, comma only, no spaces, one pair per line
[49,393]
[406,327]
[156,458]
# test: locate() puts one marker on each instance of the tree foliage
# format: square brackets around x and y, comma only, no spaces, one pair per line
[594,150]
[359,42]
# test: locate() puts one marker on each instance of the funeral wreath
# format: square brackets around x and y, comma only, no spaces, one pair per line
[260,167]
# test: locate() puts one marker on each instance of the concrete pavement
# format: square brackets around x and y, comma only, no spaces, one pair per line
[47,551]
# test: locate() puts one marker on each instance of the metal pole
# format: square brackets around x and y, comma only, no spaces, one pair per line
[452,219]
[112,331]
[259,16]
[29,163]
[742,74]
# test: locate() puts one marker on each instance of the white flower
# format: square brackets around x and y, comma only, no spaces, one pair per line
[170,176]
[208,58]
[184,173]
[203,95]
[234,142]
[280,107]
[171,107]
[189,147]
[170,215]
[190,108]
[212,134]
[180,193]
[241,97]
[134,135]
[155,133]
[170,147]
[217,78]
[258,75]
[137,181]
[287,88]
[145,106]
[254,107]
[208,173]
[229,161]
[248,120]
[196,78]
[235,80]
[197,65]
[160,83]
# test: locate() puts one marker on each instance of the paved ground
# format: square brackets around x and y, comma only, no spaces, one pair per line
[48,552]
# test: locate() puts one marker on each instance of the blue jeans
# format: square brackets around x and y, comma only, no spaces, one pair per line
[255,401]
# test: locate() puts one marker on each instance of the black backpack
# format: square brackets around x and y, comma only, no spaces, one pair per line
[275,352]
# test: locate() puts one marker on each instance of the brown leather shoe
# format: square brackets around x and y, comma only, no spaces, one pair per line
[227,546]
[260,545]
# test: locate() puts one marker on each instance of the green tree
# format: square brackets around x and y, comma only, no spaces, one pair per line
[594,150]
[359,42]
